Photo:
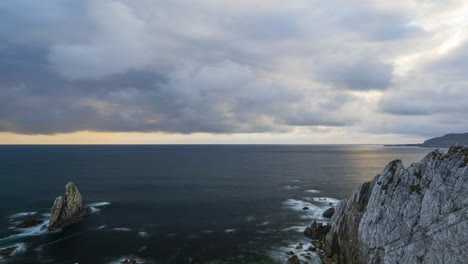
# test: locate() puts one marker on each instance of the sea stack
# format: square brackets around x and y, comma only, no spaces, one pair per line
[67,209]
[417,214]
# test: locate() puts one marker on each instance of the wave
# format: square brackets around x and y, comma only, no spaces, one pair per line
[94,206]
[122,259]
[98,204]
[122,229]
[249,218]
[143,234]
[324,200]
[264,223]
[299,249]
[20,248]
[312,191]
[232,230]
[26,232]
[21,215]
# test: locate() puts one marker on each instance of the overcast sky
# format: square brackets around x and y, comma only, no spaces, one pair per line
[232,71]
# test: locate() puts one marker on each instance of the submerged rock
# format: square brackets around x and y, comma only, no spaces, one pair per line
[8,251]
[417,214]
[29,223]
[67,209]
[329,212]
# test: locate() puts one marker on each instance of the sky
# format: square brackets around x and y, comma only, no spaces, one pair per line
[232,71]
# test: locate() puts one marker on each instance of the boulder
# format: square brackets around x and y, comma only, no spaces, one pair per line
[329,212]
[67,209]
[29,223]
[317,230]
[294,260]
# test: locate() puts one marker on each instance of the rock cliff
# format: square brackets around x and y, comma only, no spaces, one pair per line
[405,215]
[67,209]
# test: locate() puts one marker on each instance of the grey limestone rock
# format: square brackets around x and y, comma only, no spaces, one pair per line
[67,209]
[406,215]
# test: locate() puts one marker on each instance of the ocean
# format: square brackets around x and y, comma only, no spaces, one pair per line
[180,203]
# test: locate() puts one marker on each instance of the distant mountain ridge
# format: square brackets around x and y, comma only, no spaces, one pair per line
[445,141]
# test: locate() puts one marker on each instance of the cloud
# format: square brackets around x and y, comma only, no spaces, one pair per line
[230,66]
[191,100]
[118,45]
[438,87]
[360,74]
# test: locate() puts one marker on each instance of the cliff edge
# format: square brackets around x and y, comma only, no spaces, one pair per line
[405,215]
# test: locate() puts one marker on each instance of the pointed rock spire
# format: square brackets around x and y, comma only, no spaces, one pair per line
[67,209]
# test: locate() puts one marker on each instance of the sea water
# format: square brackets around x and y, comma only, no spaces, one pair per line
[180,203]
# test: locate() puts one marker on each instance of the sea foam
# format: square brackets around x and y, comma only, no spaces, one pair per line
[21,215]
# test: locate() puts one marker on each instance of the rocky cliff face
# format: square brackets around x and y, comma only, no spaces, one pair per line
[413,215]
[67,209]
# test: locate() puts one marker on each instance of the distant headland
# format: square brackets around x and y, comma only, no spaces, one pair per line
[441,142]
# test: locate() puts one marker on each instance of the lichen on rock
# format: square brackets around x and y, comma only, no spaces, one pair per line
[417,214]
[67,209]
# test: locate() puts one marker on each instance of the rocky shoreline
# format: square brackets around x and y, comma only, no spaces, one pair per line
[66,210]
[417,214]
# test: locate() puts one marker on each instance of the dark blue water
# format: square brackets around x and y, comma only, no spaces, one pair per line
[180,203]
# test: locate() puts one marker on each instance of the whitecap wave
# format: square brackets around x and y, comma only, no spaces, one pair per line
[94,206]
[299,229]
[98,204]
[122,229]
[312,191]
[21,215]
[143,234]
[264,223]
[324,200]
[312,208]
[231,230]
